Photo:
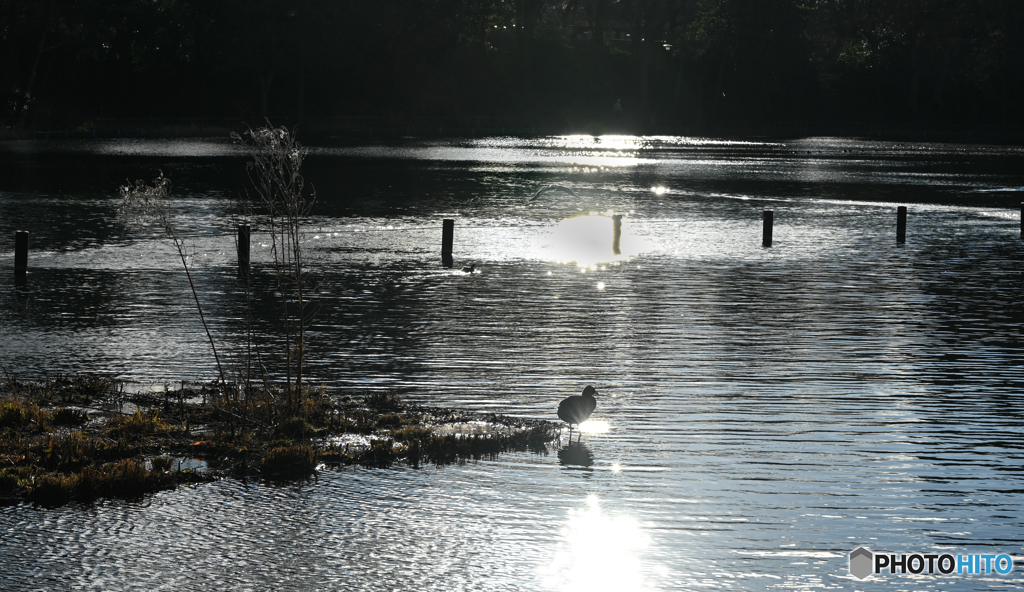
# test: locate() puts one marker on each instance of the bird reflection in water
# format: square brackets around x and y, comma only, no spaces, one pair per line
[576,454]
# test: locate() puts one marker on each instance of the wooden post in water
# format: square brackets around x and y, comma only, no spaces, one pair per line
[20,252]
[1022,219]
[901,225]
[766,232]
[616,233]
[243,248]
[447,238]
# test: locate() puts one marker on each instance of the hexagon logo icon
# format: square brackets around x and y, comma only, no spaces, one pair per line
[861,563]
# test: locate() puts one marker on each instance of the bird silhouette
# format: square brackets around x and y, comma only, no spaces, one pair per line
[577,408]
[469,269]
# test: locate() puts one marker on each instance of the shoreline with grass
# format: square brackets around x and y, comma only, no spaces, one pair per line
[82,438]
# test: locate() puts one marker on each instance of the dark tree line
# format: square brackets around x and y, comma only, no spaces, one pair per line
[946,61]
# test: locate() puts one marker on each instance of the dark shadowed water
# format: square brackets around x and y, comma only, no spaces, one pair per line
[762,412]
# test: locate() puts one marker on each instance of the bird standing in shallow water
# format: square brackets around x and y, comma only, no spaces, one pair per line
[577,408]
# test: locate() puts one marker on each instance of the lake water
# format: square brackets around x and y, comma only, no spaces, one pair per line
[761,411]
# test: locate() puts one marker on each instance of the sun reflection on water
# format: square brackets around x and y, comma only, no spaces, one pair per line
[594,426]
[589,241]
[598,552]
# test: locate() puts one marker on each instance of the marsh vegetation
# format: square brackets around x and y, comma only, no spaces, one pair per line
[82,438]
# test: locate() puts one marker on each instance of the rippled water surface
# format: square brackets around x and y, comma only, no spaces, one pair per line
[762,412]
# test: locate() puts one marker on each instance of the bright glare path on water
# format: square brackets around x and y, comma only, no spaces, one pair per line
[761,412]
[598,553]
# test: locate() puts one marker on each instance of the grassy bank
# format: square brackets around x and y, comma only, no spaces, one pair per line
[82,438]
